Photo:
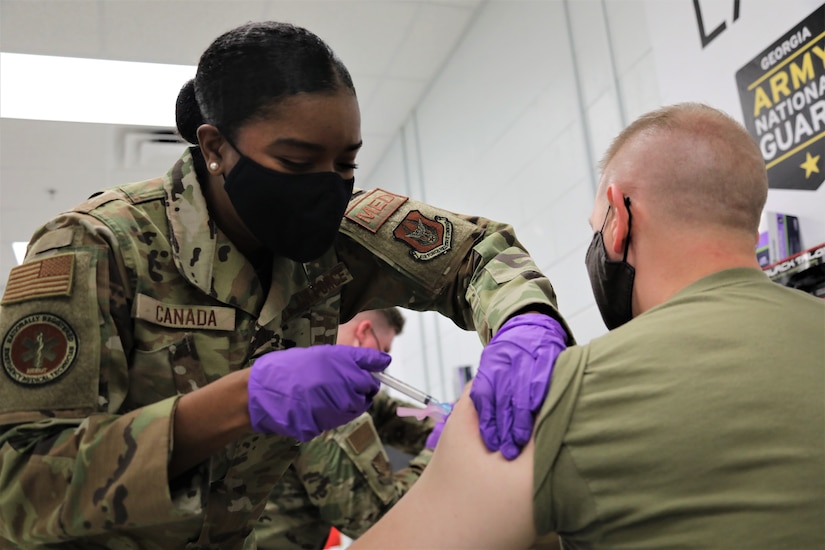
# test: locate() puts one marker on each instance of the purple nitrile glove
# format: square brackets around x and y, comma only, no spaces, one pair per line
[513,377]
[434,436]
[432,439]
[301,392]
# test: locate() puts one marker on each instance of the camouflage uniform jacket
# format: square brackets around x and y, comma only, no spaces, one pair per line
[344,479]
[136,297]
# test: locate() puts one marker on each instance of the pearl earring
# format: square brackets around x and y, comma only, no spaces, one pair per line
[213,166]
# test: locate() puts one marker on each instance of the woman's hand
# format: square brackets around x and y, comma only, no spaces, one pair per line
[301,392]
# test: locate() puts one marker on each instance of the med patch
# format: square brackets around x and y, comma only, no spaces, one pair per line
[374,209]
[38,349]
[427,237]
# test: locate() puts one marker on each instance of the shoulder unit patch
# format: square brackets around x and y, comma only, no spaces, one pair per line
[426,237]
[38,349]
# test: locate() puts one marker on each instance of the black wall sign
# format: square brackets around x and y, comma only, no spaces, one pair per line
[782,92]
[708,37]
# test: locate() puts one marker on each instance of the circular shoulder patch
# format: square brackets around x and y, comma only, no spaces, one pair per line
[38,349]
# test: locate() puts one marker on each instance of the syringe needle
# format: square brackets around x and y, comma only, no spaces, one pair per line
[408,390]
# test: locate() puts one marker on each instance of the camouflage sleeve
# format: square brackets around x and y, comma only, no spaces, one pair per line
[406,434]
[70,465]
[343,479]
[405,478]
[406,253]
[290,520]
[347,478]
[506,281]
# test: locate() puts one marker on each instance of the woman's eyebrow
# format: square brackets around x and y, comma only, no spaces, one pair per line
[295,142]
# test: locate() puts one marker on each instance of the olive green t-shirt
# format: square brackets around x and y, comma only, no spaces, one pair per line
[700,424]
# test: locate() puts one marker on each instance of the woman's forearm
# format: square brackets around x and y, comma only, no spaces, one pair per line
[208,419]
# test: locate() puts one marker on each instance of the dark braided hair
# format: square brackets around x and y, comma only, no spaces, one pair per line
[245,72]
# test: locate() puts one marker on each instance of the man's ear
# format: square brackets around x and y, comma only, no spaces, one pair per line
[211,141]
[616,232]
[362,330]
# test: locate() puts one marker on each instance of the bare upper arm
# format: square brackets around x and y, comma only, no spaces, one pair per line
[467,496]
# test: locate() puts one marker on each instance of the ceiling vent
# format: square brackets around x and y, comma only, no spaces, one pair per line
[151,148]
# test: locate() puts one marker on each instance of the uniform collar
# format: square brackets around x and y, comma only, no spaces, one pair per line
[206,257]
[202,252]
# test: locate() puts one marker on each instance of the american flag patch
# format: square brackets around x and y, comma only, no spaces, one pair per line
[48,277]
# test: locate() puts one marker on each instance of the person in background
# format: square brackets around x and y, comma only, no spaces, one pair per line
[343,478]
[698,421]
[168,344]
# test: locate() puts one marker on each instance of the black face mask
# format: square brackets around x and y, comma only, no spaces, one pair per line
[293,215]
[612,280]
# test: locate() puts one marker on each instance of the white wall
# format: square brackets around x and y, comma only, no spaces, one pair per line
[514,125]
[91,157]
[511,130]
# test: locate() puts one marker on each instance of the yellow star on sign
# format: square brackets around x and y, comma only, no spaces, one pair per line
[810,165]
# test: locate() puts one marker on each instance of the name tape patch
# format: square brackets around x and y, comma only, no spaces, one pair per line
[322,287]
[375,208]
[182,316]
[40,279]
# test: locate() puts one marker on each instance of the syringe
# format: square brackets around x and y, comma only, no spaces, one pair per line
[410,391]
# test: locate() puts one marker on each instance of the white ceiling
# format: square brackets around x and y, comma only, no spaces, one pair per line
[393,49]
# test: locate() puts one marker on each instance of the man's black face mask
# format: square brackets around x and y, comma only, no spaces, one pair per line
[612,280]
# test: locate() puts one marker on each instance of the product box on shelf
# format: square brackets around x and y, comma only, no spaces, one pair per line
[778,237]
[804,270]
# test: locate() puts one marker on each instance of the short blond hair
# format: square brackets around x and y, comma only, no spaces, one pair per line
[713,171]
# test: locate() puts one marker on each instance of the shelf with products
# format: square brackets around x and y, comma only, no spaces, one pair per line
[804,271]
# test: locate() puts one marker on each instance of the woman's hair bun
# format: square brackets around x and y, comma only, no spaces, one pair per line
[187,113]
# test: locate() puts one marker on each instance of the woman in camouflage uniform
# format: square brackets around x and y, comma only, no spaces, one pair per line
[167,344]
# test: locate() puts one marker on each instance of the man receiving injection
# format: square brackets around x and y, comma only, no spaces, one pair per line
[343,478]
